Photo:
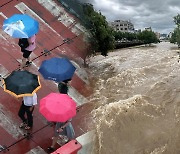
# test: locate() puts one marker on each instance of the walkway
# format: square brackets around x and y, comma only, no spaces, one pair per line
[52,37]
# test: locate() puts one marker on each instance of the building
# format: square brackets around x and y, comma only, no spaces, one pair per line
[170,35]
[163,37]
[137,30]
[148,28]
[121,25]
[158,35]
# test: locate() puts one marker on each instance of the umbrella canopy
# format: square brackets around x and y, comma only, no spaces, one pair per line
[21,83]
[21,26]
[57,107]
[57,69]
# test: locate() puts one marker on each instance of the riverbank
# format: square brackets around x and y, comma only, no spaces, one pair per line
[127,44]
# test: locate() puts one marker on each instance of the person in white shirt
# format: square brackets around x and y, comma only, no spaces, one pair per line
[27,107]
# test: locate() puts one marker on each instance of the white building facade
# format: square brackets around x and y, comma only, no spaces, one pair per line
[121,25]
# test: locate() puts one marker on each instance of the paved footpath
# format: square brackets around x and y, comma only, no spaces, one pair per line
[56,26]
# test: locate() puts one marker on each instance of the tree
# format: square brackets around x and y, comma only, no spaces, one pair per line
[147,37]
[129,36]
[175,38]
[177,20]
[101,38]
[117,35]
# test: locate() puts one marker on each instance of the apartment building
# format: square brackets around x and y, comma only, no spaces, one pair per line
[158,35]
[121,25]
[148,29]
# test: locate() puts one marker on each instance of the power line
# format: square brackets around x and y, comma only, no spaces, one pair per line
[28,136]
[46,52]
[6,3]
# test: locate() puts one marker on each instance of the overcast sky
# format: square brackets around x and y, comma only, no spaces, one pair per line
[142,13]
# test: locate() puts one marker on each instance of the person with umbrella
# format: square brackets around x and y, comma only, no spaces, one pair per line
[27,108]
[57,69]
[62,130]
[59,108]
[24,27]
[26,48]
[21,83]
[63,86]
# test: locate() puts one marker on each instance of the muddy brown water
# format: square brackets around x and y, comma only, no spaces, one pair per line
[137,97]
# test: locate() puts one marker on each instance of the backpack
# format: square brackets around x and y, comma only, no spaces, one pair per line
[23,43]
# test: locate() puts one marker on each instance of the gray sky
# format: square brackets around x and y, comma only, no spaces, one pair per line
[142,13]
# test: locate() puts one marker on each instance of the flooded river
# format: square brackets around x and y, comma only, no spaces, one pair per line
[137,99]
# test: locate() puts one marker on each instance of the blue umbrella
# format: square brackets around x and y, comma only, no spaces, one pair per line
[21,26]
[57,69]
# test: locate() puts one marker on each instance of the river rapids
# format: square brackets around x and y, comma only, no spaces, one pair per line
[137,99]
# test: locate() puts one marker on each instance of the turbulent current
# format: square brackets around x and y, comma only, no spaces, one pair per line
[137,98]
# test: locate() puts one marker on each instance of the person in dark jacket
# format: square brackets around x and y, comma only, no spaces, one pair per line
[63,86]
[27,47]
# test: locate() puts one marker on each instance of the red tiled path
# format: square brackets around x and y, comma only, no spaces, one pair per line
[9,61]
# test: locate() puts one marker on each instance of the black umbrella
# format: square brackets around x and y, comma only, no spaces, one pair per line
[21,83]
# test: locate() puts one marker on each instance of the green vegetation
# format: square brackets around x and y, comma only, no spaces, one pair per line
[147,37]
[127,36]
[175,38]
[101,39]
[177,20]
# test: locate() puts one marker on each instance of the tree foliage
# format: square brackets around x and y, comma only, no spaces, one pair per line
[147,37]
[177,20]
[118,35]
[175,38]
[102,39]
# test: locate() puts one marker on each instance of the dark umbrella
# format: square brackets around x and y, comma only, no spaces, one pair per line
[57,69]
[21,83]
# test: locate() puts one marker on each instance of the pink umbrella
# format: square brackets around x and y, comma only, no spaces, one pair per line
[57,107]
